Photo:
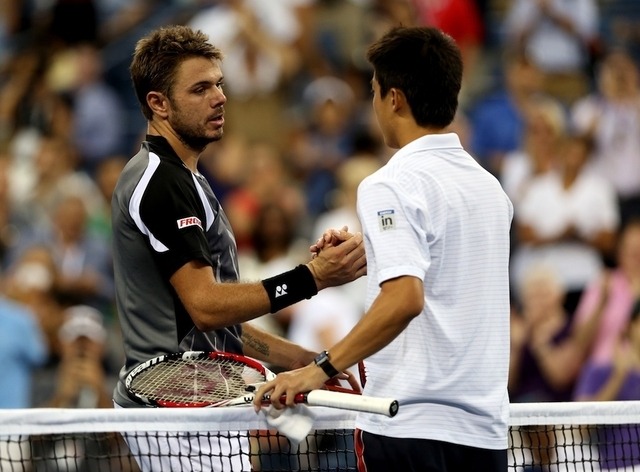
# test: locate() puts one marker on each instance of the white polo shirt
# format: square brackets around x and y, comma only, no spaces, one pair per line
[434,213]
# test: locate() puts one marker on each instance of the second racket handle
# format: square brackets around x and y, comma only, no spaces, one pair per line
[383,406]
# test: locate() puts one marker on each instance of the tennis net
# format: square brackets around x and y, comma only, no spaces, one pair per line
[578,436]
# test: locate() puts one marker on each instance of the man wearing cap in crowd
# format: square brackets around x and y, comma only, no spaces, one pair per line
[81,373]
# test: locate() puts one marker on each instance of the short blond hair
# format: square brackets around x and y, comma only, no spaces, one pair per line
[551,112]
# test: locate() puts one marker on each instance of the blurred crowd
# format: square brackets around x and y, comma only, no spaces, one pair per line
[550,105]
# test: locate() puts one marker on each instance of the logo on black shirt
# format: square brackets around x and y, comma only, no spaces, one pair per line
[189,221]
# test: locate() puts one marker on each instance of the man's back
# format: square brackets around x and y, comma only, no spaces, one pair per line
[447,223]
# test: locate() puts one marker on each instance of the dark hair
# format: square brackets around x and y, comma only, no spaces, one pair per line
[262,240]
[426,65]
[157,56]
[635,310]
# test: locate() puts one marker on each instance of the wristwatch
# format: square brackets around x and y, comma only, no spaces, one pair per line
[322,361]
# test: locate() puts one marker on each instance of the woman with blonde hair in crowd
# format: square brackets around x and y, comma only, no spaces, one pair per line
[545,127]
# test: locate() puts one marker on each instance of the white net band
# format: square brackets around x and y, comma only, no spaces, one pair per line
[577,436]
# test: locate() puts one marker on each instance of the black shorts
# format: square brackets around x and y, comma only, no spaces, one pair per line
[376,453]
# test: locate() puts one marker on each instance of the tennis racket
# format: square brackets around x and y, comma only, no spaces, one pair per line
[218,379]
[362,373]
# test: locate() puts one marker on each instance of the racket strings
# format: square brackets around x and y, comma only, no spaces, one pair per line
[195,380]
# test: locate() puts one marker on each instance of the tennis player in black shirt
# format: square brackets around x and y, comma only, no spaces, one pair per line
[175,261]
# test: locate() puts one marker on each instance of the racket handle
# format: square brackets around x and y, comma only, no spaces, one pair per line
[347,401]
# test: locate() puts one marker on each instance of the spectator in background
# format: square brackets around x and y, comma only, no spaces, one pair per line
[24,349]
[32,114]
[81,380]
[611,116]
[54,176]
[545,127]
[29,105]
[558,36]
[498,119]
[83,265]
[339,32]
[324,139]
[261,57]
[624,290]
[98,111]
[547,355]
[20,75]
[264,178]
[566,218]
[620,378]
[31,281]
[15,226]
[85,274]
[617,380]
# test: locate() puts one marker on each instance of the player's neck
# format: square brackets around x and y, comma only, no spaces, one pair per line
[188,155]
[409,132]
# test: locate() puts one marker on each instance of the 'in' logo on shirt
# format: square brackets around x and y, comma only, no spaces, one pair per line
[386,220]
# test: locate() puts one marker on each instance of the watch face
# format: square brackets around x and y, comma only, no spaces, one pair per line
[322,361]
[321,358]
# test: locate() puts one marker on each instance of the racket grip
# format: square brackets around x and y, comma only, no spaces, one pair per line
[347,401]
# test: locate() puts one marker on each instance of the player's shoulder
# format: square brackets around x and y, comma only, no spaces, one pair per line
[149,173]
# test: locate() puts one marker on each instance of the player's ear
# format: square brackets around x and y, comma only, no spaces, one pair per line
[158,103]
[398,99]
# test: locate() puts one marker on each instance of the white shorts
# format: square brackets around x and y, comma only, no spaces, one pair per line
[193,451]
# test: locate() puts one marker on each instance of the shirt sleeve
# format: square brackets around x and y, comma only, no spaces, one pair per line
[174,215]
[396,230]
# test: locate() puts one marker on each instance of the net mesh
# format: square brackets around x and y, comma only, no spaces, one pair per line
[594,436]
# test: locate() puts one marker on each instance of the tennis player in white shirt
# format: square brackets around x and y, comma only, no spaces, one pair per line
[435,335]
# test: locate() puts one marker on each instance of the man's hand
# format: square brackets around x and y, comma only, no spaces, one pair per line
[75,374]
[340,259]
[331,237]
[303,380]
